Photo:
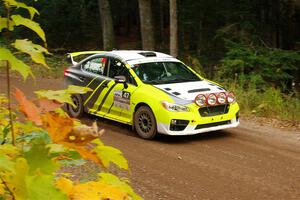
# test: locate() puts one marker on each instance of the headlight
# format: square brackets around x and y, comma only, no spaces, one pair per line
[230,97]
[212,99]
[174,107]
[200,100]
[221,98]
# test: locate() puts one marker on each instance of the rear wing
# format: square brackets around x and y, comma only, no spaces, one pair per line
[71,56]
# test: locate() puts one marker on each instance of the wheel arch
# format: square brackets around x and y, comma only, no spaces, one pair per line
[140,104]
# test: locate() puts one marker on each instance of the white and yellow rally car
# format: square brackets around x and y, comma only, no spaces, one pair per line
[152,91]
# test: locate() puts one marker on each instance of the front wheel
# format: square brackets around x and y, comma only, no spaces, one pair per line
[145,123]
[76,111]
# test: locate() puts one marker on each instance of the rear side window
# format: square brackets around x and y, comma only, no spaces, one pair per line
[95,65]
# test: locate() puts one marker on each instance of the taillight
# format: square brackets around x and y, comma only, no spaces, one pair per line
[66,72]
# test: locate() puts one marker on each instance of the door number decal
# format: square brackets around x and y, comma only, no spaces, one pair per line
[122,99]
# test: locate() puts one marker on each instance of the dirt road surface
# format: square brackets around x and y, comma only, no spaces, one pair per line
[249,162]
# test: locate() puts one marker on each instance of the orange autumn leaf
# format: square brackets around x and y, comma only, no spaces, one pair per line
[61,131]
[65,185]
[28,107]
[86,153]
[58,126]
[47,105]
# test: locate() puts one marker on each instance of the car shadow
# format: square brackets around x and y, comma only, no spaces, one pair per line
[125,129]
[214,135]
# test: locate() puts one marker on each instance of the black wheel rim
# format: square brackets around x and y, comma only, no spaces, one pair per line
[145,123]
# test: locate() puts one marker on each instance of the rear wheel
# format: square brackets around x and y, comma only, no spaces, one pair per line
[145,123]
[76,111]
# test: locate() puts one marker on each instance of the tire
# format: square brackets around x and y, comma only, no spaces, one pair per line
[145,123]
[77,111]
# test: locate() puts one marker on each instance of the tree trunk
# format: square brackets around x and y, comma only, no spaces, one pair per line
[107,24]
[158,23]
[173,29]
[146,24]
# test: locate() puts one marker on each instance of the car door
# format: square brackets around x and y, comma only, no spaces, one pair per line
[93,77]
[116,104]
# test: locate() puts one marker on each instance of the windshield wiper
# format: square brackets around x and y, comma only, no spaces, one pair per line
[182,80]
[153,82]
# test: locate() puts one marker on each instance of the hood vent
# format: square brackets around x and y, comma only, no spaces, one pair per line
[176,93]
[168,89]
[199,90]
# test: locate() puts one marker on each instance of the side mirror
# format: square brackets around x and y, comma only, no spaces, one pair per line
[121,79]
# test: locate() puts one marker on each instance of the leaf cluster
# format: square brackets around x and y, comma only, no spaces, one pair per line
[46,141]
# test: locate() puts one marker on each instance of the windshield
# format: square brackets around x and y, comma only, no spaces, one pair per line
[164,73]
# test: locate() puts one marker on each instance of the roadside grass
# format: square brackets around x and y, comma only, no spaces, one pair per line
[269,102]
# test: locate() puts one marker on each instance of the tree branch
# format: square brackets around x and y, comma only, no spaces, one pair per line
[8,189]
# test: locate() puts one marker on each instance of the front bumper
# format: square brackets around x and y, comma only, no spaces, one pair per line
[197,123]
[192,129]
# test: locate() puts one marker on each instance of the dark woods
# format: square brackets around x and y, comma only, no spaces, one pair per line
[77,24]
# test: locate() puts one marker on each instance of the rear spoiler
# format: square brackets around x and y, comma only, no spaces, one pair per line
[71,56]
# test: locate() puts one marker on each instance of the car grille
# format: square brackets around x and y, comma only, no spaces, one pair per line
[212,124]
[214,110]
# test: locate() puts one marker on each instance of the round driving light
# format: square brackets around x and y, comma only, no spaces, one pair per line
[230,97]
[221,98]
[212,99]
[200,100]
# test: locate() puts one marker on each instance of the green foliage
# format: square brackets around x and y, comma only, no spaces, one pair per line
[46,188]
[12,3]
[15,63]
[4,22]
[110,154]
[39,159]
[19,20]
[262,65]
[34,50]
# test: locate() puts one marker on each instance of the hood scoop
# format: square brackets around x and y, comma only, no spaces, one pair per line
[199,90]
[176,93]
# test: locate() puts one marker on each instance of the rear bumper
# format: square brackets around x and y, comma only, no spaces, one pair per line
[192,129]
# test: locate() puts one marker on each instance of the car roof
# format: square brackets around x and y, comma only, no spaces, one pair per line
[140,56]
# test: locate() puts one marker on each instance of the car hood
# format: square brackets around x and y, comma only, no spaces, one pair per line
[189,90]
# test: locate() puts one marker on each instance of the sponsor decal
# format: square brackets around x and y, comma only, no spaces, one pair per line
[122,99]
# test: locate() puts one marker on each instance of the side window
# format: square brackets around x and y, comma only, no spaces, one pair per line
[95,65]
[117,68]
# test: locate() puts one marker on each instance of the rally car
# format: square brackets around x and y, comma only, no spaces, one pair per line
[154,92]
